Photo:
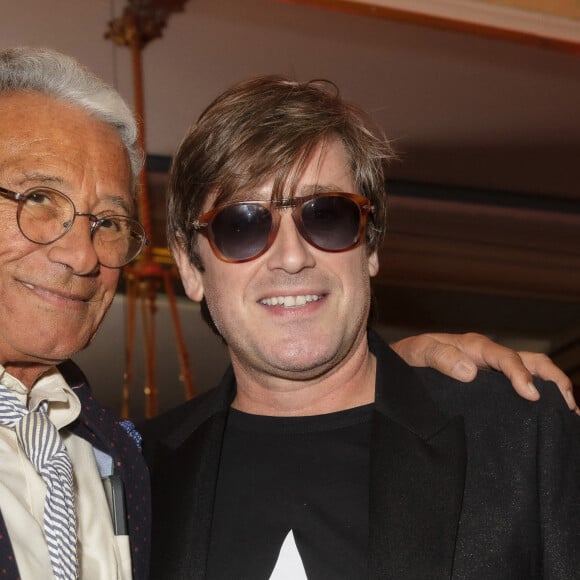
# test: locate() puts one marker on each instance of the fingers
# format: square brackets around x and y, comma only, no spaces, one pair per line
[542,366]
[519,368]
[513,367]
[487,354]
[460,355]
[436,351]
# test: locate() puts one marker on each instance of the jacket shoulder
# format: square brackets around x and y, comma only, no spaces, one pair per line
[493,410]
[189,415]
[491,391]
[166,422]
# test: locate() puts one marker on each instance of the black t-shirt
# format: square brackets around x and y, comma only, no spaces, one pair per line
[305,475]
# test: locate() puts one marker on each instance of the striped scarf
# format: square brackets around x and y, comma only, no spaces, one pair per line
[41,442]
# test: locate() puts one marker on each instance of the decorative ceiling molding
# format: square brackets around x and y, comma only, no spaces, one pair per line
[561,8]
[473,16]
[473,247]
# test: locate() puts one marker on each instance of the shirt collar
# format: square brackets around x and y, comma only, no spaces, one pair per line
[63,405]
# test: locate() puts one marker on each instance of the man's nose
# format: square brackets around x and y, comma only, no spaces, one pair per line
[76,249]
[290,251]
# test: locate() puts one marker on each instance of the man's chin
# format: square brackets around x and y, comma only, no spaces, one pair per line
[304,366]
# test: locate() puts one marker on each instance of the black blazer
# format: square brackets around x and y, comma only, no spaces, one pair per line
[101,428]
[467,481]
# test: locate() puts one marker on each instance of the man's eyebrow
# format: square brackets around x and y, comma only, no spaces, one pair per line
[43,178]
[31,178]
[301,191]
[315,188]
[120,202]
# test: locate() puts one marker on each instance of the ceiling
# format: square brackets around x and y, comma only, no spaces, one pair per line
[485,197]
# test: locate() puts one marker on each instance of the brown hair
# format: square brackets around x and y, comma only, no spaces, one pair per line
[266,128]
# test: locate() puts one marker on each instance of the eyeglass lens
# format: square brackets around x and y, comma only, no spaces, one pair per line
[242,231]
[44,216]
[331,222]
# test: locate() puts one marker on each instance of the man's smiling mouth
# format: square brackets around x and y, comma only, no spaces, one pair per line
[290,301]
[56,294]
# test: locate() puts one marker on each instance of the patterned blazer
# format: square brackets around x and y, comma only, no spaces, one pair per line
[103,430]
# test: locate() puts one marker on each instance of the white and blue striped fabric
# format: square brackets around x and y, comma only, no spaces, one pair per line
[44,447]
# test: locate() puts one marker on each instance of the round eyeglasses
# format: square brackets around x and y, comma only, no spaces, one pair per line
[45,215]
[242,231]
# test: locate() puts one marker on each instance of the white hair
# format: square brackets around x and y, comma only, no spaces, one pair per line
[62,77]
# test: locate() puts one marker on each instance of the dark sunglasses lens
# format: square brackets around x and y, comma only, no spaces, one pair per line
[331,222]
[241,231]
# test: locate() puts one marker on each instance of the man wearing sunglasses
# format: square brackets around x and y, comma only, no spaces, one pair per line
[68,164]
[321,454]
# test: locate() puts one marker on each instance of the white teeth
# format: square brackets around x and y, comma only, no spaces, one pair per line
[290,301]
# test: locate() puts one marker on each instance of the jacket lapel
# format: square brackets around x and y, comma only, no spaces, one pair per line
[418,462]
[100,427]
[184,481]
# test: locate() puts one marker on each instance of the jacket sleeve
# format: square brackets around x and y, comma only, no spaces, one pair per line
[558,440]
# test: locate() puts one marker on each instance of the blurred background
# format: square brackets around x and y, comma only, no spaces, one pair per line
[481,100]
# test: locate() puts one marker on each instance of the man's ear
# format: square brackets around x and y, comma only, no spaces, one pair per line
[373,264]
[190,275]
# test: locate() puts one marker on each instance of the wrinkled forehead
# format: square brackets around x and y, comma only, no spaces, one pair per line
[48,142]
